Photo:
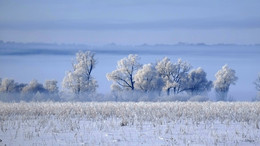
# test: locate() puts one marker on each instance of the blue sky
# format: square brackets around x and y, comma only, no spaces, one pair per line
[130,22]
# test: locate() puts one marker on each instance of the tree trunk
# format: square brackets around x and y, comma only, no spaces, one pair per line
[168,91]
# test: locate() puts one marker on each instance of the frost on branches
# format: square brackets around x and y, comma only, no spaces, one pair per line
[80,79]
[197,82]
[33,87]
[224,78]
[51,86]
[147,79]
[8,86]
[257,86]
[174,75]
[173,78]
[33,91]
[123,76]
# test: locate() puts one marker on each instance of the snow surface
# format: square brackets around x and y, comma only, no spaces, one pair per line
[111,123]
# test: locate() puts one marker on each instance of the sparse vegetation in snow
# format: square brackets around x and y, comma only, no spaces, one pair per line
[112,123]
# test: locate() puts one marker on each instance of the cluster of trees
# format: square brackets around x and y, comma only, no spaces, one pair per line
[79,82]
[13,91]
[163,78]
[173,78]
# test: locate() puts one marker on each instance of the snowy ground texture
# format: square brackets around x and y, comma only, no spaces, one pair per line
[111,123]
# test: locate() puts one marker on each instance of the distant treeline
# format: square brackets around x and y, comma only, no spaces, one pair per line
[14,48]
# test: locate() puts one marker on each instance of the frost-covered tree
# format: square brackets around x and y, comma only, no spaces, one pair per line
[197,82]
[51,86]
[224,78]
[10,86]
[257,85]
[7,86]
[147,79]
[52,90]
[10,90]
[181,69]
[33,87]
[165,70]
[174,75]
[123,76]
[80,79]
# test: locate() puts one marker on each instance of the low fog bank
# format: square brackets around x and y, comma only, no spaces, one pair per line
[26,61]
[90,97]
[224,50]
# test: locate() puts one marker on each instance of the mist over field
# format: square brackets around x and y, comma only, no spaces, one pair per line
[40,39]
[139,72]
[26,61]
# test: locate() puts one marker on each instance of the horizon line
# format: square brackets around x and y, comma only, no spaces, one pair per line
[142,44]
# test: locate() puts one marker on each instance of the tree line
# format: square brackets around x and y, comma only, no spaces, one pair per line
[159,79]
[169,77]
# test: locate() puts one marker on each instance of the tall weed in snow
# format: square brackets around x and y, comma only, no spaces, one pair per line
[146,111]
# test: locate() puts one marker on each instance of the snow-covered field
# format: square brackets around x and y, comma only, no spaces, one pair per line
[127,123]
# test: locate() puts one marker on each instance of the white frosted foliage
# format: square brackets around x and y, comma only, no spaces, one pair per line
[257,86]
[147,79]
[174,75]
[51,86]
[8,85]
[224,78]
[123,76]
[80,79]
[33,87]
[257,83]
[197,81]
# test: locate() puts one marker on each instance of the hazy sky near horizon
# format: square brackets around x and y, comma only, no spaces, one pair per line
[130,22]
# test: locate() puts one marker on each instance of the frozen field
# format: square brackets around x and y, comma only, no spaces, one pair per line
[168,123]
